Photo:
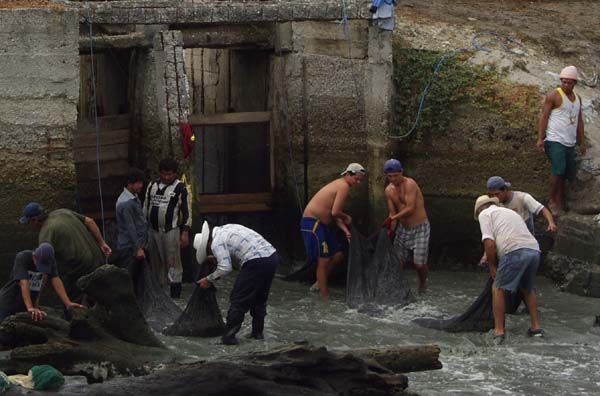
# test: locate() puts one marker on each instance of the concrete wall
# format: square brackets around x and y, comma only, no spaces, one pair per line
[39,90]
[332,96]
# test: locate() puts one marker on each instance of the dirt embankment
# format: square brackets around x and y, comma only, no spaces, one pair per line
[551,35]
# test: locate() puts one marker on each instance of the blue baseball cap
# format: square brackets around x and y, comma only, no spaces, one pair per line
[44,258]
[497,183]
[33,209]
[392,165]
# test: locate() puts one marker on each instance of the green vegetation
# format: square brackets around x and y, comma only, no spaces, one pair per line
[458,85]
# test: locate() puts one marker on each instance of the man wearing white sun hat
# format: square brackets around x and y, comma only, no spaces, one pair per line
[257,259]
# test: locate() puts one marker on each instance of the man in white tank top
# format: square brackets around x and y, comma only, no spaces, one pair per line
[560,128]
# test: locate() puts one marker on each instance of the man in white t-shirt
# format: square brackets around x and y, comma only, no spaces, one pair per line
[521,202]
[513,255]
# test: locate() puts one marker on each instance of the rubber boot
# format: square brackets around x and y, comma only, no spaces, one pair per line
[229,337]
[258,325]
[175,290]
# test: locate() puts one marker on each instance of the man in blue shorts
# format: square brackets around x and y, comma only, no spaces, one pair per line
[317,224]
[513,255]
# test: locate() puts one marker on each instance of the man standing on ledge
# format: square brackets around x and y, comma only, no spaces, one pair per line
[318,230]
[559,130]
[408,218]
[165,199]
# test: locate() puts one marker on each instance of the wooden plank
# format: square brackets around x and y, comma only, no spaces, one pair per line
[87,171]
[107,153]
[112,122]
[224,119]
[111,187]
[83,140]
[233,203]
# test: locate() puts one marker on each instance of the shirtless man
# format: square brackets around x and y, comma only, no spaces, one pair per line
[318,230]
[406,205]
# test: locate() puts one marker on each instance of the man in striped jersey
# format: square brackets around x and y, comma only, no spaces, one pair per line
[166,198]
[233,244]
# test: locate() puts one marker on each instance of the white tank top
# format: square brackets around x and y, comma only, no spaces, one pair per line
[562,123]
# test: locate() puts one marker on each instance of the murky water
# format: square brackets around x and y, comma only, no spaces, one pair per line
[565,362]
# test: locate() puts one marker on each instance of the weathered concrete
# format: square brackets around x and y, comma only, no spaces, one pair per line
[172,90]
[39,90]
[214,12]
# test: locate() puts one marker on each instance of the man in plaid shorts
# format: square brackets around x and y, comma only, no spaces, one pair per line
[408,218]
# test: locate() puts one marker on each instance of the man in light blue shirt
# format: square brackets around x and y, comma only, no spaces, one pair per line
[131,224]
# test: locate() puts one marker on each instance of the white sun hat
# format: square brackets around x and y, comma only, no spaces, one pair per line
[201,242]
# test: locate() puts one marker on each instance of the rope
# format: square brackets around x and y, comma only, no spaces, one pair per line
[96,126]
[501,40]
[450,54]
[437,68]
[284,113]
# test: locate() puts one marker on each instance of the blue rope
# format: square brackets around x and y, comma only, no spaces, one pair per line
[441,62]
[437,68]
[97,128]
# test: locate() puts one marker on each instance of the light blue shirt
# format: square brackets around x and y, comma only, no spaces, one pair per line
[233,244]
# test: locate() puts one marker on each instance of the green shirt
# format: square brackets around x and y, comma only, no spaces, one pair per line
[76,250]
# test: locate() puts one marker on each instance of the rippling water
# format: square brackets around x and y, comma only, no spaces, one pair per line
[565,362]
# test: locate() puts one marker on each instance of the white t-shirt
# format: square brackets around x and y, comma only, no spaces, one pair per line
[524,204]
[507,229]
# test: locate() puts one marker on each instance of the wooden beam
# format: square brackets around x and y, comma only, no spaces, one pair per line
[112,122]
[224,119]
[119,136]
[107,153]
[235,203]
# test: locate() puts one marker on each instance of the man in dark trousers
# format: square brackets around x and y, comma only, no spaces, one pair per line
[131,224]
[258,260]
[30,274]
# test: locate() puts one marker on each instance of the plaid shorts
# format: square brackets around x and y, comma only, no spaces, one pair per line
[413,240]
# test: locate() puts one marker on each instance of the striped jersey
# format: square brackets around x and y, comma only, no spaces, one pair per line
[234,244]
[164,203]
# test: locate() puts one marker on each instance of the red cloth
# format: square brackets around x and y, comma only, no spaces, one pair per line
[187,139]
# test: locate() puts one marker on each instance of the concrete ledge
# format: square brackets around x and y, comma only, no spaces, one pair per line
[211,12]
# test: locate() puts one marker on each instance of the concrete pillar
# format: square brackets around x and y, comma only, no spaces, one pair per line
[172,89]
[378,100]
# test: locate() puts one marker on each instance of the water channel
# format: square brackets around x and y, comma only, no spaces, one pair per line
[565,362]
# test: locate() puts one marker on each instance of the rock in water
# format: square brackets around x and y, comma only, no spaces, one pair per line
[374,274]
[157,307]
[201,317]
[111,288]
[586,284]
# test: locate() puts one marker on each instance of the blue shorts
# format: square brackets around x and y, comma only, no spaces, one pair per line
[319,239]
[517,270]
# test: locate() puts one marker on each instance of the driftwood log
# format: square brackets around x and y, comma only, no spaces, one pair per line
[293,370]
[111,336]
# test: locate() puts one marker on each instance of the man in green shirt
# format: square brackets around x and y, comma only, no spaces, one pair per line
[78,244]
